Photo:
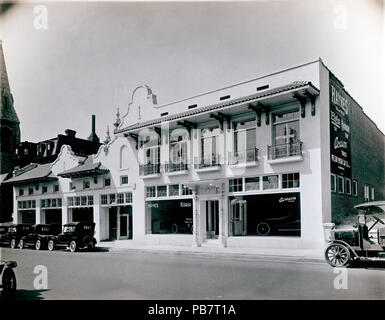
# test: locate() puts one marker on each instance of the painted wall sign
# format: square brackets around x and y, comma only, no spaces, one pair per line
[340,151]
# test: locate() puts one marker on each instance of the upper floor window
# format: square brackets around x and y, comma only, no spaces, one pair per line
[107,182]
[124,180]
[179,141]
[150,142]
[333,182]
[44,189]
[30,191]
[348,186]
[371,193]
[366,192]
[245,137]
[270,182]
[340,185]
[86,184]
[210,145]
[355,188]
[21,192]
[56,188]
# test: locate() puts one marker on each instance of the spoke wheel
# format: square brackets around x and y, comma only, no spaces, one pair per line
[13,243]
[51,245]
[263,229]
[38,245]
[337,255]
[21,244]
[73,246]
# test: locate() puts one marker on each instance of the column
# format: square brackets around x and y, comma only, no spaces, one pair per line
[96,209]
[196,218]
[117,222]
[65,215]
[15,214]
[222,217]
[38,212]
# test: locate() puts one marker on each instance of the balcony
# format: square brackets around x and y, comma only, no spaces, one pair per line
[244,157]
[288,152]
[211,163]
[149,170]
[176,168]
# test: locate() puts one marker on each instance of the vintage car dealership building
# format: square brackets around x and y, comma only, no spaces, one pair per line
[269,162]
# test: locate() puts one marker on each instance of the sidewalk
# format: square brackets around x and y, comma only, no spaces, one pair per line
[305,255]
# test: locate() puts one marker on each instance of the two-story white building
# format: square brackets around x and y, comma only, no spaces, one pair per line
[254,164]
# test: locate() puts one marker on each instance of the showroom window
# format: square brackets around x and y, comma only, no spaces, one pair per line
[290,180]
[161,191]
[174,190]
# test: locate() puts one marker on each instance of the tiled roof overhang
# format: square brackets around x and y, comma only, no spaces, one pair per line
[38,173]
[84,170]
[267,93]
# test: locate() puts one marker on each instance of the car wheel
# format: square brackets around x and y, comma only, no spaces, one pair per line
[263,229]
[337,255]
[9,281]
[21,244]
[73,246]
[13,243]
[51,245]
[91,246]
[38,244]
[174,228]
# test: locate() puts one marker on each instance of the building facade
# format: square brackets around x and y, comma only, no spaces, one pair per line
[270,162]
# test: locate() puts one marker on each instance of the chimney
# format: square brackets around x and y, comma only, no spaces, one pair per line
[70,133]
[93,137]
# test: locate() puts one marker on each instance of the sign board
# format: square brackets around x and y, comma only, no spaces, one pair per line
[340,152]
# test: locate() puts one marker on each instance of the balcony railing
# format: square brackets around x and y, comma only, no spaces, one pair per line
[175,167]
[244,156]
[207,162]
[284,150]
[150,168]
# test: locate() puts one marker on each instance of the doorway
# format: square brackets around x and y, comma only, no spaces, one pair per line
[113,223]
[212,219]
[238,217]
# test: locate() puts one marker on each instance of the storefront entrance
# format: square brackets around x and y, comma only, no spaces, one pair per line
[212,219]
[120,223]
[238,217]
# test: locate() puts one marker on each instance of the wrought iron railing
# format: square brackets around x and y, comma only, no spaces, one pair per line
[284,150]
[207,162]
[244,156]
[175,167]
[150,168]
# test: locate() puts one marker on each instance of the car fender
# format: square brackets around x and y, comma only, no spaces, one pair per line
[346,245]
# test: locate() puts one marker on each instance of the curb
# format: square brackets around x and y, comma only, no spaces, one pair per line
[248,256]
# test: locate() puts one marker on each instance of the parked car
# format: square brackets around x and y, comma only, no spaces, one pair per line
[3,234]
[7,277]
[354,243]
[275,225]
[39,236]
[75,236]
[14,233]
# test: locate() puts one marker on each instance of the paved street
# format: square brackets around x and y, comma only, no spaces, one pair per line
[125,275]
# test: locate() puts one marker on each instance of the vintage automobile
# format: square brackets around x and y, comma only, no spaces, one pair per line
[354,243]
[285,224]
[39,236]
[14,233]
[75,236]
[7,277]
[3,233]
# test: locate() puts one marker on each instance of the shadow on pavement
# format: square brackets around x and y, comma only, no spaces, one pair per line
[369,265]
[24,295]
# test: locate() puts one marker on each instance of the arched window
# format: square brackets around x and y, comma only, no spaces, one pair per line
[124,160]
[179,142]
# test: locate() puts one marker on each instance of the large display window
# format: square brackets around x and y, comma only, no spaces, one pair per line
[170,216]
[266,215]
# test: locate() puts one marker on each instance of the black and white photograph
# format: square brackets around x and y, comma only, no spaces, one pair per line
[192,154]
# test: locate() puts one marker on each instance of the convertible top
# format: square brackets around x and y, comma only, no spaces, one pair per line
[372,205]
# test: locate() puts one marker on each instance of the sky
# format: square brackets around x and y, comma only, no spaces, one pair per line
[92,55]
